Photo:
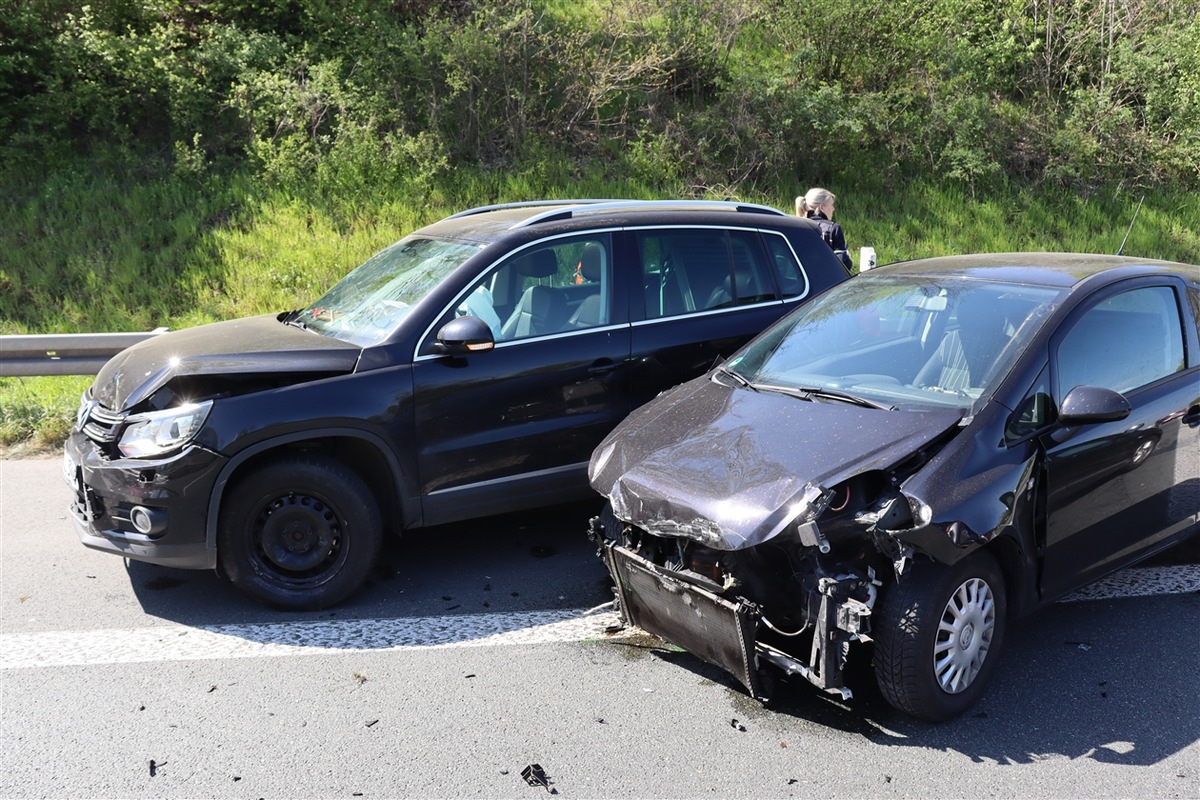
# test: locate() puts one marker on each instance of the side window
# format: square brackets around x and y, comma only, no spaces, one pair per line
[1193,297]
[548,288]
[686,271]
[683,271]
[789,273]
[1126,341]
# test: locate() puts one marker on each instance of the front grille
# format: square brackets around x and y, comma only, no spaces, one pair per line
[101,425]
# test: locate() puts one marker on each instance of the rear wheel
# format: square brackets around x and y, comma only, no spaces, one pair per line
[299,535]
[938,636]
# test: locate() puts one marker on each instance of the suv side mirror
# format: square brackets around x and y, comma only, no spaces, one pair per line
[1085,404]
[464,335]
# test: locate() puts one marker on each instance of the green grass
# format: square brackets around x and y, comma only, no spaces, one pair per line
[925,220]
[37,413]
[101,251]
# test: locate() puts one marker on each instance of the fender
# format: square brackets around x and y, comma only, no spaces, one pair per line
[401,484]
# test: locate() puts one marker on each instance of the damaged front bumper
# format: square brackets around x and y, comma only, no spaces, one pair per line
[152,511]
[731,632]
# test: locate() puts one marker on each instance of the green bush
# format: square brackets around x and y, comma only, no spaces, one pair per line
[172,162]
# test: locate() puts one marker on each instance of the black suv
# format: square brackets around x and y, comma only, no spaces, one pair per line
[467,370]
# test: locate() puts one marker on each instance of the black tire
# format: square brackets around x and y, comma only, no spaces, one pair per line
[957,614]
[332,527]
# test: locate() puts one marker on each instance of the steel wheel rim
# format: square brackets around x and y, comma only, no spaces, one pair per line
[964,635]
[299,541]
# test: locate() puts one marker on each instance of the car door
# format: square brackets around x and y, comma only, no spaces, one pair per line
[514,427]
[1110,486]
[704,293]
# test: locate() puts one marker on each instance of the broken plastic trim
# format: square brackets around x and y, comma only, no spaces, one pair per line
[724,631]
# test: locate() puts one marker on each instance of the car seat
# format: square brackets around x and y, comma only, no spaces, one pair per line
[541,309]
[591,267]
[969,350]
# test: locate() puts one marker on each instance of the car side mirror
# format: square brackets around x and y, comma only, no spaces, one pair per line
[1085,404]
[464,335]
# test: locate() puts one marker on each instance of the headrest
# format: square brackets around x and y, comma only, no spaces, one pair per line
[591,261]
[541,264]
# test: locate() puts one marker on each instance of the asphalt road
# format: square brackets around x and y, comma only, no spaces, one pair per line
[467,660]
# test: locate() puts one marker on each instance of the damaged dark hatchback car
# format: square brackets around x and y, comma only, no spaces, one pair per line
[915,459]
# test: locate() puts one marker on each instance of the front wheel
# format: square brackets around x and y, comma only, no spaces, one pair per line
[938,636]
[299,535]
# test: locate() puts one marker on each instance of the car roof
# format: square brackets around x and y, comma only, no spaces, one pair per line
[490,223]
[1062,270]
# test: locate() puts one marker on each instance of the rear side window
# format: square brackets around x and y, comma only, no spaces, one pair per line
[792,282]
[1124,342]
[1193,298]
[688,271]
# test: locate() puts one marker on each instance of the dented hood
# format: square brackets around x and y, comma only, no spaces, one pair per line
[731,468]
[253,345]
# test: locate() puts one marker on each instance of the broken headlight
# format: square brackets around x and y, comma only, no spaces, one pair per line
[160,432]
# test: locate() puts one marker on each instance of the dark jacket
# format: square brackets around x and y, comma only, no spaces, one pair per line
[831,232]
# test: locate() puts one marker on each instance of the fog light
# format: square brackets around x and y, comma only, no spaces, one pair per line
[145,520]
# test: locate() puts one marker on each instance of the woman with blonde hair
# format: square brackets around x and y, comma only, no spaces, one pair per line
[817,204]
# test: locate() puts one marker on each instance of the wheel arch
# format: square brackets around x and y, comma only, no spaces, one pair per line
[1015,569]
[364,453]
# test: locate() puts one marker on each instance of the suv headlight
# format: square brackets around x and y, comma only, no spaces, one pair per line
[159,432]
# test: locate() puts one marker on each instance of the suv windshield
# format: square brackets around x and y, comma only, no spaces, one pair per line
[902,342]
[366,306]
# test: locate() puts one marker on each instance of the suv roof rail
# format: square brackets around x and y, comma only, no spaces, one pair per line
[526,204]
[595,206]
[568,208]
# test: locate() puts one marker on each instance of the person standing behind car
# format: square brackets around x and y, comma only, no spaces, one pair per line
[817,204]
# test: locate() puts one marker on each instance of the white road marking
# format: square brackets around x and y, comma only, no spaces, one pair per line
[183,643]
[1141,582]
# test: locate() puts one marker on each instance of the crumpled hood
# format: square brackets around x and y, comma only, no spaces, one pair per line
[731,468]
[253,345]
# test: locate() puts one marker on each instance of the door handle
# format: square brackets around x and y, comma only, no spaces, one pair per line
[1192,417]
[601,367]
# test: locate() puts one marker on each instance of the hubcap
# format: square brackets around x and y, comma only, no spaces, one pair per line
[964,635]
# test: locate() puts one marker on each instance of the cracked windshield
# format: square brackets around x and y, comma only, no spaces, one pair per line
[369,303]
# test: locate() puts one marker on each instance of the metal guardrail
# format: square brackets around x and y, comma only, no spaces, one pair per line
[63,353]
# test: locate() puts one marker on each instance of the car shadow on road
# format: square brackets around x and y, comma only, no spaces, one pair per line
[527,562]
[1077,681]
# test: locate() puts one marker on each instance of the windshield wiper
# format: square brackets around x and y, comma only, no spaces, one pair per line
[739,379]
[288,317]
[809,392]
[292,318]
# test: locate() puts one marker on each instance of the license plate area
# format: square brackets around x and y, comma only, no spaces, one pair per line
[82,505]
[70,471]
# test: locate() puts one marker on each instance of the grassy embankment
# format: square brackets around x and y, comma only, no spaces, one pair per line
[84,252]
